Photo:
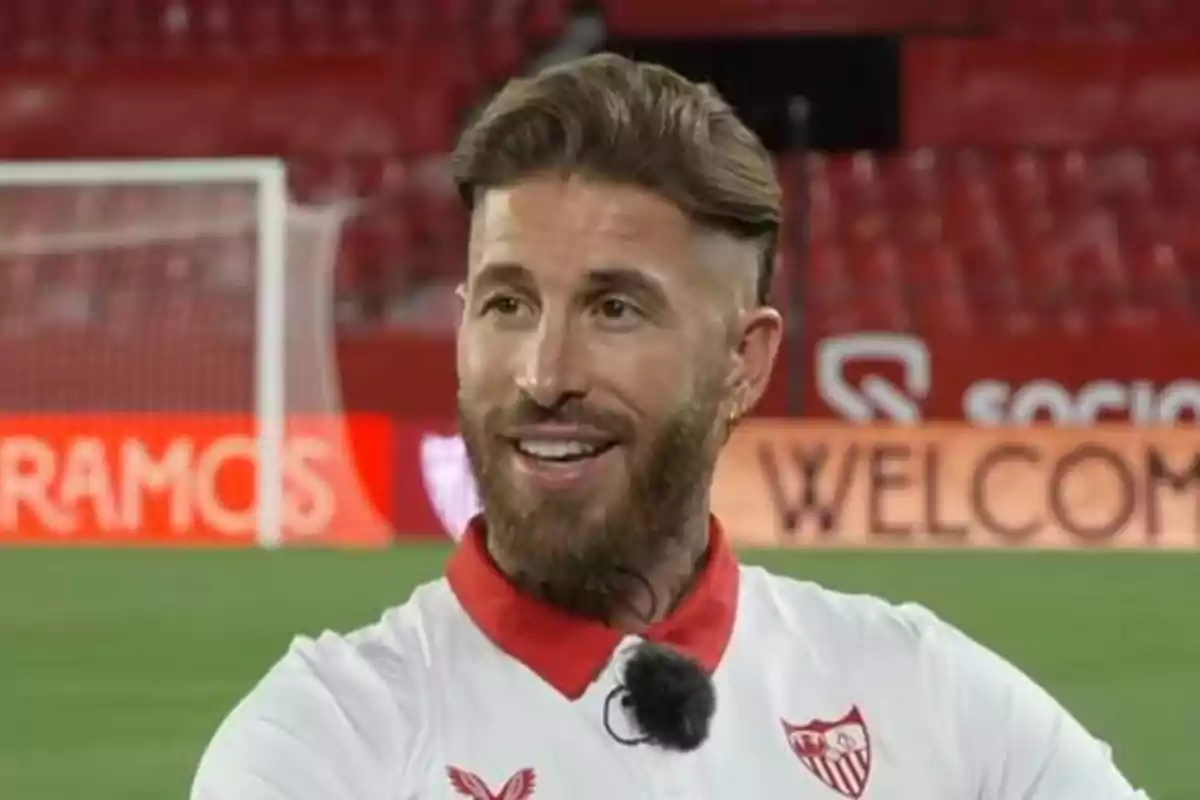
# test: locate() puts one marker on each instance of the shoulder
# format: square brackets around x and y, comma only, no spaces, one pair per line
[1010,738]
[898,644]
[376,674]
[900,659]
[336,709]
[841,619]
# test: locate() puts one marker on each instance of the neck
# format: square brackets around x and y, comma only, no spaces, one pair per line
[629,599]
[665,583]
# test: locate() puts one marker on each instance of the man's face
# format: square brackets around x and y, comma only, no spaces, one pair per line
[595,365]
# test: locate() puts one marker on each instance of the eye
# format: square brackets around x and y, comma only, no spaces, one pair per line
[502,304]
[617,309]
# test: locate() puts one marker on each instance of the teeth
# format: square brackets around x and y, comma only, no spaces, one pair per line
[557,449]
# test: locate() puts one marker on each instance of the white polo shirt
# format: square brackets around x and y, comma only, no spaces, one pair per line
[472,689]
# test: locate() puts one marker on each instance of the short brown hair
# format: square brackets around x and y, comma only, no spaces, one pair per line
[608,117]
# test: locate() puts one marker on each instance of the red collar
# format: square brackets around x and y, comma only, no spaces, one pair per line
[569,652]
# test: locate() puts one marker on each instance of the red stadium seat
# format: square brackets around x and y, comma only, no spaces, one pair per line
[504,52]
[883,310]
[828,280]
[547,19]
[311,26]
[1043,277]
[32,29]
[1177,172]
[935,267]
[992,236]
[1004,258]
[1031,226]
[877,266]
[913,179]
[1160,277]
[212,27]
[970,213]
[1070,180]
[455,14]
[1098,277]
[1158,17]
[78,28]
[259,27]
[994,288]
[19,283]
[359,27]
[947,309]
[858,184]
[1105,18]
[659,18]
[128,28]
[918,226]
[1035,17]
[1097,18]
[404,22]
[823,220]
[1021,180]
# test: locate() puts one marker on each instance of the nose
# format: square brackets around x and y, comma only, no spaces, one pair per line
[553,369]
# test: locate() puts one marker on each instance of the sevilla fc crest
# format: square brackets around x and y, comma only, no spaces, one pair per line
[518,787]
[837,752]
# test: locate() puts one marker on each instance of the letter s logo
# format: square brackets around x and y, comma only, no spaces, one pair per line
[449,482]
[877,397]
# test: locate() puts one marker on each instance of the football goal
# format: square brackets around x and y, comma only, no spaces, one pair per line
[163,289]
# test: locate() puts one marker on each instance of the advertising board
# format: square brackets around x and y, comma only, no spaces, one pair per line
[997,381]
[366,481]
[191,480]
[787,483]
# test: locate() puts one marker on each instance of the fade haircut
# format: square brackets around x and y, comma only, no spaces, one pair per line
[609,118]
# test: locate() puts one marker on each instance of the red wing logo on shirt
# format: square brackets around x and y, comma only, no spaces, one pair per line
[467,784]
[838,752]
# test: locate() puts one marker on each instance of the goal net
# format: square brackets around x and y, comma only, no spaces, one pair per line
[176,317]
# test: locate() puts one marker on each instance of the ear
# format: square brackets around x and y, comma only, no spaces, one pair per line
[760,334]
[460,292]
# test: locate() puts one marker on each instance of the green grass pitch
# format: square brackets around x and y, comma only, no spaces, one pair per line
[115,666]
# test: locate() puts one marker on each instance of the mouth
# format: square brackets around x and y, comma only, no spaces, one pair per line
[560,461]
[561,451]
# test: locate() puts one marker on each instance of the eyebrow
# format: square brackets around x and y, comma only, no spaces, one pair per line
[502,273]
[629,280]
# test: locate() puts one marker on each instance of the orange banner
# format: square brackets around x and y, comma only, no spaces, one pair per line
[827,485]
[190,480]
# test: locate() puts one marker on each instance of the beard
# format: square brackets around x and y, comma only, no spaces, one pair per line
[582,552]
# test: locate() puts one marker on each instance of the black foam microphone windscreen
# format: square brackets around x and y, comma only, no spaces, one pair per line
[669,697]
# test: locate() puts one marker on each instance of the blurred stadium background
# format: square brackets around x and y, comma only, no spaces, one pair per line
[1015,184]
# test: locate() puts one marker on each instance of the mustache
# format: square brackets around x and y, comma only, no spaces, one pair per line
[526,411]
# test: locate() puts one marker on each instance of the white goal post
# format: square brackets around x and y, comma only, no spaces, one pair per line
[256,193]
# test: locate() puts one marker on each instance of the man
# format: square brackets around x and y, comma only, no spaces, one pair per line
[615,328]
